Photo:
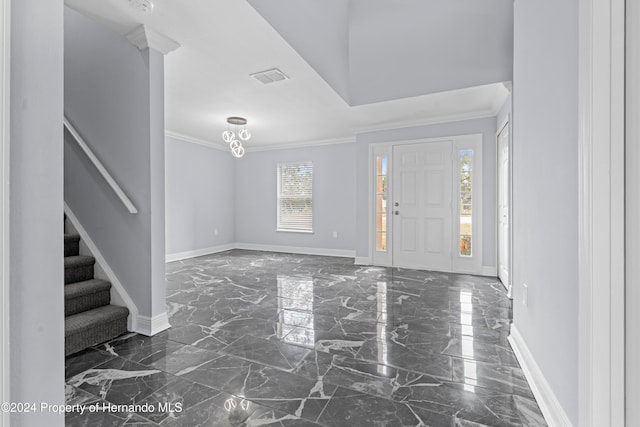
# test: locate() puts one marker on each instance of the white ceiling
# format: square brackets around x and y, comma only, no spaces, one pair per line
[224,41]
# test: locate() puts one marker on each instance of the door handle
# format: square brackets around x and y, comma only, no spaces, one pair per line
[396,213]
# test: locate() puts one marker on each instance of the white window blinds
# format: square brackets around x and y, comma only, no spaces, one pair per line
[295,198]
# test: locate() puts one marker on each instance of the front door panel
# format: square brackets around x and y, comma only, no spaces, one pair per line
[422,190]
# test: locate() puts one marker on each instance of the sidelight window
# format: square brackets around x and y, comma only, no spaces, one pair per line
[382,192]
[465,170]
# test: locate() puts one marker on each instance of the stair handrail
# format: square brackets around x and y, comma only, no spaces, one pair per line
[103,171]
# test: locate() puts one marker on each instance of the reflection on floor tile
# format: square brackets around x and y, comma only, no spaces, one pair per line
[183,360]
[261,338]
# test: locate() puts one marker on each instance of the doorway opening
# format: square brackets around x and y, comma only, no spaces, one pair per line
[504,205]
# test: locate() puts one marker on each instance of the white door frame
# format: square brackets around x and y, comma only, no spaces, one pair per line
[601,213]
[632,203]
[506,123]
[459,141]
[5,49]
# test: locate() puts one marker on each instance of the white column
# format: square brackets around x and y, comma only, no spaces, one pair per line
[601,213]
[632,231]
[5,47]
[154,46]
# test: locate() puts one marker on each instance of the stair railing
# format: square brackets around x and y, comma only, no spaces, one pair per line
[103,171]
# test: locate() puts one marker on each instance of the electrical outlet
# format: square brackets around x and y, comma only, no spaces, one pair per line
[525,294]
[335,234]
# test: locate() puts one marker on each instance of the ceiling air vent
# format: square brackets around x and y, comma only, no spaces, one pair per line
[270,76]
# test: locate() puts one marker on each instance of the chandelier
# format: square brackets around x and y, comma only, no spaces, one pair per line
[236,132]
[144,6]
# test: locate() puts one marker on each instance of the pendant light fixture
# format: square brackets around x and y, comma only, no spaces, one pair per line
[236,132]
[144,6]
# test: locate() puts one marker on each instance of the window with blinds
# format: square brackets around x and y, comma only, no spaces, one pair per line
[295,197]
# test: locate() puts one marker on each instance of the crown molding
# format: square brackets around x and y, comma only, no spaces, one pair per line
[486,113]
[501,92]
[292,145]
[473,115]
[483,114]
[144,37]
[186,138]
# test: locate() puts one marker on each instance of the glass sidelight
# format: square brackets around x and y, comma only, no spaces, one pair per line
[382,192]
[465,170]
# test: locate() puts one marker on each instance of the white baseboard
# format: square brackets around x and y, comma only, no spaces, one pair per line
[362,260]
[489,271]
[150,326]
[119,293]
[296,250]
[547,400]
[199,252]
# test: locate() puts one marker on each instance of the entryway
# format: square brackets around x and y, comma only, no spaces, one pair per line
[428,204]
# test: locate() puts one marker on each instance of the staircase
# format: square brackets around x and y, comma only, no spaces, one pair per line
[90,319]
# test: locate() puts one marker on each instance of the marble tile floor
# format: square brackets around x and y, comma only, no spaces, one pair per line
[267,339]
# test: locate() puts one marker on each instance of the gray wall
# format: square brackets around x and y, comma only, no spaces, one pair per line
[333,197]
[405,48]
[487,127]
[37,284]
[545,189]
[200,196]
[111,97]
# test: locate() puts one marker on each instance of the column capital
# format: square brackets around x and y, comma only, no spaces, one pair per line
[144,37]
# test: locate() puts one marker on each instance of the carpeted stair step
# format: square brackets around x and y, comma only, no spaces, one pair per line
[78,268]
[71,244]
[93,327]
[86,295]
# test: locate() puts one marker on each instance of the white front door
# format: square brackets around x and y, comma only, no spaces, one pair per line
[504,242]
[422,205]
